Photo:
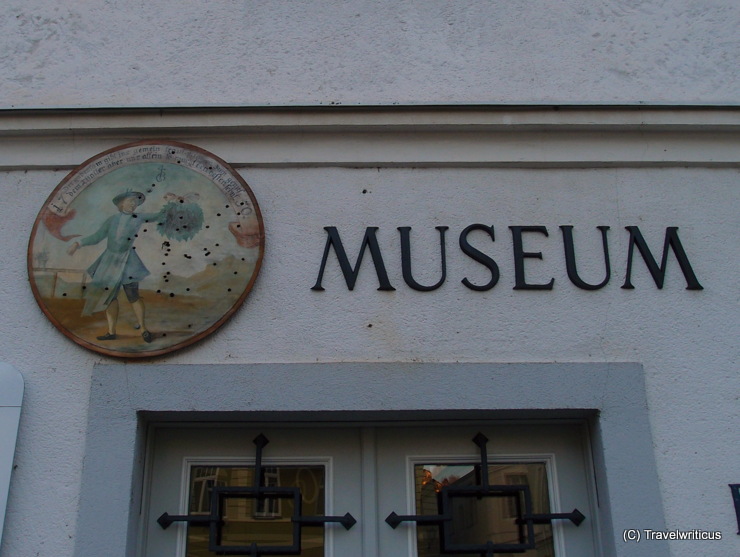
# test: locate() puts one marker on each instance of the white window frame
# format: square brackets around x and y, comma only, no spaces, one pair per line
[190,461]
[553,490]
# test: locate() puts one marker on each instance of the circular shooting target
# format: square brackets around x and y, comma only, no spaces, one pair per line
[145,249]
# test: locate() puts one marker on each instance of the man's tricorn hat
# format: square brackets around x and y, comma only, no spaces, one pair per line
[140,197]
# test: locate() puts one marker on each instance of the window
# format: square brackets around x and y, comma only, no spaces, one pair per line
[473,519]
[369,472]
[265,521]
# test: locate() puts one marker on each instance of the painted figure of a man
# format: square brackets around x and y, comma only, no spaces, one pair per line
[118,267]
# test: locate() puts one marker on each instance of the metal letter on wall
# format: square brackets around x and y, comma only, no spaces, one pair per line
[145,248]
[735,489]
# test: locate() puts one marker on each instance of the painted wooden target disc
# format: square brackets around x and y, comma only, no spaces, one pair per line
[146,248]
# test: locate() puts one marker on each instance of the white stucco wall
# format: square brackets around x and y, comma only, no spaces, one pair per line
[133,53]
[686,340]
[129,53]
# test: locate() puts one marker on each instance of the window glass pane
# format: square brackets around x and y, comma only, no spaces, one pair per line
[476,521]
[266,522]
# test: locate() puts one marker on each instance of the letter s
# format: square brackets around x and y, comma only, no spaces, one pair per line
[479,256]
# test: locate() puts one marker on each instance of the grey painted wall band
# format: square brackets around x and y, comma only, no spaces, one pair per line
[124,398]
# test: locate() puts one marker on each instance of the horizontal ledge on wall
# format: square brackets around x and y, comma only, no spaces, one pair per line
[402,137]
[350,417]
[491,117]
[448,165]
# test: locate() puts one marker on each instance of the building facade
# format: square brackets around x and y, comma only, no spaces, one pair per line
[494,289]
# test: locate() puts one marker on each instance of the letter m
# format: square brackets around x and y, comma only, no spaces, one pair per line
[350,273]
[658,272]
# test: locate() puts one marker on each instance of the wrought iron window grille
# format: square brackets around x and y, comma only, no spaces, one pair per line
[260,492]
[525,518]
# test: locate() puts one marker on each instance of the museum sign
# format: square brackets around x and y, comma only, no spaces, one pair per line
[519,234]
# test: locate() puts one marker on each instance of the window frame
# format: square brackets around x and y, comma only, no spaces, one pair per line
[236,461]
[548,459]
[126,399]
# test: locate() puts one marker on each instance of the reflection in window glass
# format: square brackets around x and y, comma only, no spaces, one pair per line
[264,522]
[476,521]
